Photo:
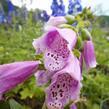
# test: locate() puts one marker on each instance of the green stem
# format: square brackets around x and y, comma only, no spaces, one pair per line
[44,106]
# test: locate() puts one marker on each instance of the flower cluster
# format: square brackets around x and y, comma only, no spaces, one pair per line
[62,67]
[59,9]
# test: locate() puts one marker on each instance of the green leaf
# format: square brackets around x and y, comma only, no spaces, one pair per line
[4,105]
[76,53]
[44,106]
[39,57]
[26,93]
[15,105]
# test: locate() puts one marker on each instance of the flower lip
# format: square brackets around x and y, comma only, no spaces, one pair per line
[65,84]
[56,48]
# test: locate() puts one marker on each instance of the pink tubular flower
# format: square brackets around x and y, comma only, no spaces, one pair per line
[65,86]
[15,73]
[54,22]
[56,47]
[89,54]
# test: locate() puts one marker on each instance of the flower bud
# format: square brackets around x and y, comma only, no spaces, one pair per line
[85,34]
[70,19]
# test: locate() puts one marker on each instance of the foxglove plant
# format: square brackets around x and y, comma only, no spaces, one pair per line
[62,66]
[89,54]
[54,22]
[65,85]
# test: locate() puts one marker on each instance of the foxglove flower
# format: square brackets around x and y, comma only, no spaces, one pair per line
[89,54]
[55,45]
[15,73]
[65,85]
[54,21]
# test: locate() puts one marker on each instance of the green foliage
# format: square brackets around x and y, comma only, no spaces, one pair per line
[15,105]
[16,45]
[101,45]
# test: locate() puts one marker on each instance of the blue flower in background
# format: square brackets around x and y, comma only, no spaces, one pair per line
[1,14]
[61,10]
[75,24]
[44,16]
[78,6]
[54,7]
[74,6]
[10,11]
[70,7]
[58,9]
[1,19]
[10,6]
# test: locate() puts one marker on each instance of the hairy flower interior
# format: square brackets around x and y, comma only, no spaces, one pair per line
[56,56]
[61,90]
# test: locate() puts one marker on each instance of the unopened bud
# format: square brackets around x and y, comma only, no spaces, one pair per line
[70,19]
[85,34]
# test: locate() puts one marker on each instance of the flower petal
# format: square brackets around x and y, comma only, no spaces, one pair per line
[54,22]
[55,49]
[15,73]
[42,77]
[89,55]
[70,36]
[65,85]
